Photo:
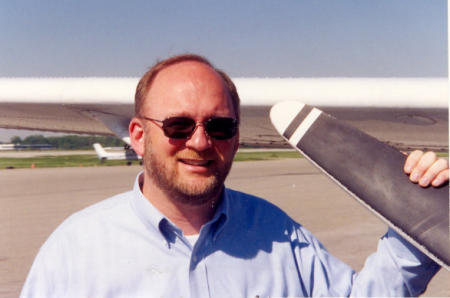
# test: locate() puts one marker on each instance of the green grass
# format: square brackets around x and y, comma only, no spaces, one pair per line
[92,160]
[248,156]
[58,161]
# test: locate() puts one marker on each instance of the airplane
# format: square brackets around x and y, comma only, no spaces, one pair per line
[407,113]
[103,155]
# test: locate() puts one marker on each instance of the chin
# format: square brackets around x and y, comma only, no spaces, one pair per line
[198,192]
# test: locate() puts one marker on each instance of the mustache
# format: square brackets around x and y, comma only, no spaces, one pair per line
[191,154]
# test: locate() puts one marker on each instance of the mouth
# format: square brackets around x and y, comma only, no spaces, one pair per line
[196,162]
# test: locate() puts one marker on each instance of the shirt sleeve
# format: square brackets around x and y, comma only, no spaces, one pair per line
[48,276]
[396,269]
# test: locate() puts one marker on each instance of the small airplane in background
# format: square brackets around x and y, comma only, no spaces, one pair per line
[128,154]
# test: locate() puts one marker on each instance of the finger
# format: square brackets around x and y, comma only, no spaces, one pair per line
[422,166]
[433,172]
[412,160]
[441,178]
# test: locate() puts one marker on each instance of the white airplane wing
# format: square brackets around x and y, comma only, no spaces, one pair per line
[407,112]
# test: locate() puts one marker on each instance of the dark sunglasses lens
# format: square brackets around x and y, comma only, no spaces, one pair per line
[178,127]
[221,128]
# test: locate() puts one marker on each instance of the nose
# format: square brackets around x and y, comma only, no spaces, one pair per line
[199,140]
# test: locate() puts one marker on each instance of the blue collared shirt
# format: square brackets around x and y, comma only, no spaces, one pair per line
[124,247]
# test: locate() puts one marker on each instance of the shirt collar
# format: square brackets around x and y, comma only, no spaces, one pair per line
[147,213]
[221,216]
[155,221]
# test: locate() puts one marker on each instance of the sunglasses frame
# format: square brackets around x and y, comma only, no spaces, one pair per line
[206,123]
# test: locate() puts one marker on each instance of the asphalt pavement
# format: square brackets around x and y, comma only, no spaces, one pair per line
[34,201]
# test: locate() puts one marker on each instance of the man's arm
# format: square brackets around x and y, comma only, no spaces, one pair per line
[398,268]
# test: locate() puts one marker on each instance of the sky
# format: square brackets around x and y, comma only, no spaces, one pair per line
[254,38]
[257,38]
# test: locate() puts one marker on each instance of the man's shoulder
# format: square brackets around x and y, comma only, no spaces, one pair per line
[112,208]
[254,214]
[106,205]
[249,198]
[253,205]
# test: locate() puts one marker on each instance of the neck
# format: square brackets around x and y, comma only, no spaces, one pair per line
[188,217]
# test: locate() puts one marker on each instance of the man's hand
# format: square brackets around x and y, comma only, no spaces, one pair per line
[426,169]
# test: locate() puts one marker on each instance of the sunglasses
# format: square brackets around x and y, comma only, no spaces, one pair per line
[219,128]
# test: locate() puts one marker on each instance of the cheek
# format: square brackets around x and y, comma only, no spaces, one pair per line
[164,148]
[227,149]
[174,144]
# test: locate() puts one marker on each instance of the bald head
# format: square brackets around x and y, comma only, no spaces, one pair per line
[146,82]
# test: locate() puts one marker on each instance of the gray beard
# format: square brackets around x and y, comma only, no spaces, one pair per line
[184,193]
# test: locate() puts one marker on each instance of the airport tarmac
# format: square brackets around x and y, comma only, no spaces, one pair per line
[34,201]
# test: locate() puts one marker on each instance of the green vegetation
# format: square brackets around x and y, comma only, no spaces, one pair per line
[266,155]
[58,161]
[69,142]
[92,160]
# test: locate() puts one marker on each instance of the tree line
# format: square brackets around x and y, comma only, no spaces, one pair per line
[69,142]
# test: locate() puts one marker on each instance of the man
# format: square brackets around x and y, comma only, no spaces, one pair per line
[181,233]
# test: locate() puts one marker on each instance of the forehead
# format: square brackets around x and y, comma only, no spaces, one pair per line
[188,87]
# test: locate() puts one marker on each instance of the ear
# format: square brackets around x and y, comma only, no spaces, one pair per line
[137,136]
[236,142]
